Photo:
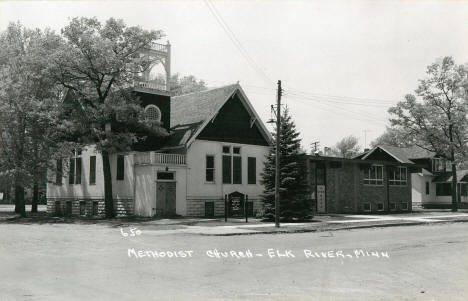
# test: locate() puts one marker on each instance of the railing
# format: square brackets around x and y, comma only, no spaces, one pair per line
[169,159]
[159,158]
[150,85]
[159,47]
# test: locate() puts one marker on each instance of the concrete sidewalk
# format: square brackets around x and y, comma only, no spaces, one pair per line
[318,223]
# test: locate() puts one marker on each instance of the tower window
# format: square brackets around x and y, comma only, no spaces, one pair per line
[153,113]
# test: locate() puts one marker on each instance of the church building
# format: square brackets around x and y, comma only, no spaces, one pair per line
[213,156]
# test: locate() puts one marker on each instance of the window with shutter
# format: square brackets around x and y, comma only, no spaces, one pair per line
[58,172]
[120,167]
[71,172]
[92,170]
[78,171]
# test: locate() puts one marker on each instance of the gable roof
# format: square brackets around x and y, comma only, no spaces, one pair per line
[447,176]
[401,154]
[190,113]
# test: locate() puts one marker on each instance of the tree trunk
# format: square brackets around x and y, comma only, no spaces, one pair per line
[454,187]
[19,200]
[108,200]
[35,198]
[35,177]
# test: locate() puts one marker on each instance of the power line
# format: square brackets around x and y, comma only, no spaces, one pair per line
[236,41]
[380,101]
[348,112]
[321,99]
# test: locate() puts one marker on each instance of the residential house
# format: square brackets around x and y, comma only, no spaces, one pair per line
[432,182]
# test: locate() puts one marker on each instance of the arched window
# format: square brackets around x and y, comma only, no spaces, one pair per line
[153,113]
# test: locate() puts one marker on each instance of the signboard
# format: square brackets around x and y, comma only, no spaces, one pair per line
[236,204]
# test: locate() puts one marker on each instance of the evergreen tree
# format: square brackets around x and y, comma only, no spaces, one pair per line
[294,191]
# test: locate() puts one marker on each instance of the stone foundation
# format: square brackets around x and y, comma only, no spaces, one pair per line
[199,207]
[87,207]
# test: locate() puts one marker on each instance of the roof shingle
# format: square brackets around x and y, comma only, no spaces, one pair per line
[190,111]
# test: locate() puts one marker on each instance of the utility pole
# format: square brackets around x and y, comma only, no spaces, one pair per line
[277,168]
[315,146]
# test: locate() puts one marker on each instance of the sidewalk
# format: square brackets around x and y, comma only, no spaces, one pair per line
[238,226]
[319,223]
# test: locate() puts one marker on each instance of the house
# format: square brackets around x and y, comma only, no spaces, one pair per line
[432,182]
[211,162]
[375,184]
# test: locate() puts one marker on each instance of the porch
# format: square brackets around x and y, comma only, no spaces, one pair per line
[154,158]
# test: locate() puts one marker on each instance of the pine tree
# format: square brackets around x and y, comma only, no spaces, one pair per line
[294,191]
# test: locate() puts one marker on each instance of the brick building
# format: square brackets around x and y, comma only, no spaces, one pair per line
[379,184]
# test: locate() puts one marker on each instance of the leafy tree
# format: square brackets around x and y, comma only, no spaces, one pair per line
[346,147]
[437,121]
[294,190]
[98,63]
[394,137]
[27,105]
[183,85]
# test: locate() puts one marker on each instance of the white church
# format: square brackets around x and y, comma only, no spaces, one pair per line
[209,165]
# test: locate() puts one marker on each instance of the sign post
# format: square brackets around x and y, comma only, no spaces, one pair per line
[246,212]
[225,207]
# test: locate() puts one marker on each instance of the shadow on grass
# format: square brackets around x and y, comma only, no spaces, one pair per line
[291,220]
[44,218]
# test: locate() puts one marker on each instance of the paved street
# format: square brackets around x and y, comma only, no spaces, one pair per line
[93,262]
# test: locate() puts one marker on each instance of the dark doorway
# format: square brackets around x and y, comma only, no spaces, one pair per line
[166,198]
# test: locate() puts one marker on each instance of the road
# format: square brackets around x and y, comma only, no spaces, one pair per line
[91,262]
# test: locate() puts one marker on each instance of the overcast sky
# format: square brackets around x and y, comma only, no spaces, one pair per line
[342,63]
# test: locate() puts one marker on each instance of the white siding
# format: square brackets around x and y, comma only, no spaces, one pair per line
[198,188]
[121,189]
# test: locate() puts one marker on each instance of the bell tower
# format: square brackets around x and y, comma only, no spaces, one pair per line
[159,54]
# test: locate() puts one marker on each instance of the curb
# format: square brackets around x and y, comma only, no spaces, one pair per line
[399,224]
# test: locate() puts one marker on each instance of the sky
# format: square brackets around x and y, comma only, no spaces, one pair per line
[342,63]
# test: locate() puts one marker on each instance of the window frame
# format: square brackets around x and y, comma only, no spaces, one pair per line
[59,171]
[233,157]
[463,189]
[364,207]
[438,164]
[152,106]
[376,181]
[210,168]
[160,172]
[92,170]
[249,180]
[75,170]
[383,206]
[442,190]
[237,169]
[395,176]
[406,204]
[120,172]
